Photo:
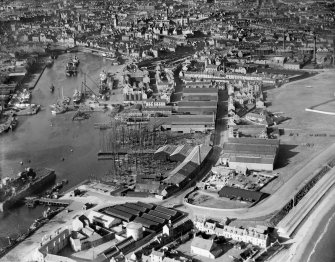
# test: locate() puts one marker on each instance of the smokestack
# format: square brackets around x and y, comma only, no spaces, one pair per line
[314,54]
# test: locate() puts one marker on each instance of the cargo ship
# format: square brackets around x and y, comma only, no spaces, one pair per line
[14,190]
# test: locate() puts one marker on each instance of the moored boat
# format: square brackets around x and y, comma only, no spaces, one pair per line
[77,96]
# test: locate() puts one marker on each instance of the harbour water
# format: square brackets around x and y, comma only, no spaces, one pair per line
[43,140]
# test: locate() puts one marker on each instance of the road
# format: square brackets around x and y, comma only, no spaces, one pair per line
[278,199]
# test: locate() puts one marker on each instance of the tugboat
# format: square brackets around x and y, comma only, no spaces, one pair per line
[71,69]
[75,61]
[50,62]
[77,96]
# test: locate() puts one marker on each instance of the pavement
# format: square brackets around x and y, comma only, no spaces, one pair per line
[278,199]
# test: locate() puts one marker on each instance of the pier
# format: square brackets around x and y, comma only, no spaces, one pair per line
[47,201]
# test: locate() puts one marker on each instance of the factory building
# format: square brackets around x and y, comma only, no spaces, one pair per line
[197,107]
[148,216]
[250,153]
[200,94]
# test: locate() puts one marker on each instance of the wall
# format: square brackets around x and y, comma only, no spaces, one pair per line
[53,245]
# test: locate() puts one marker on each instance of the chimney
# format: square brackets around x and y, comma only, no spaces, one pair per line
[314,52]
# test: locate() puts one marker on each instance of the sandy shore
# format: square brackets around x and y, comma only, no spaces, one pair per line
[302,246]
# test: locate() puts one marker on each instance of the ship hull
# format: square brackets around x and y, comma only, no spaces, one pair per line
[37,186]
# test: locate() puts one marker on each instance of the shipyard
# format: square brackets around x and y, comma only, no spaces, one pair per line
[136,131]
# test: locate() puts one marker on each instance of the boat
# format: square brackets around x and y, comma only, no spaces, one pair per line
[71,69]
[58,109]
[52,88]
[77,96]
[75,60]
[10,123]
[24,96]
[103,77]
[26,183]
[50,62]
[32,109]
[61,106]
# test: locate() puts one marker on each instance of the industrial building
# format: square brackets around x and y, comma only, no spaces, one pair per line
[193,123]
[151,217]
[197,107]
[250,153]
[241,194]
[200,94]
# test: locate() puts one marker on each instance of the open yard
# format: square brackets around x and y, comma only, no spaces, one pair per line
[207,199]
[293,98]
[306,133]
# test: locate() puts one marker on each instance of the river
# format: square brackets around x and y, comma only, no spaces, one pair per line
[43,140]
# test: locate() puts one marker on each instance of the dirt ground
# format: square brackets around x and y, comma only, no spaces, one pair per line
[293,98]
[207,199]
[306,133]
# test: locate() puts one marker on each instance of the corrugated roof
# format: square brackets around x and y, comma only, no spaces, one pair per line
[206,104]
[136,207]
[247,195]
[146,222]
[146,205]
[118,213]
[127,210]
[198,90]
[153,218]
[165,210]
[261,149]
[246,140]
[259,160]
[159,214]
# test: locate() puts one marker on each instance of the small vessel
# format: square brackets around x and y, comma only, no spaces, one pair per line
[103,77]
[58,109]
[32,109]
[50,62]
[75,60]
[77,96]
[24,96]
[71,69]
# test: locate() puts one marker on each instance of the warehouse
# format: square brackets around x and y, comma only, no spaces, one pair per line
[159,220]
[241,194]
[136,207]
[119,214]
[191,124]
[172,213]
[159,214]
[197,107]
[181,153]
[250,153]
[200,94]
[146,205]
[146,223]
[127,210]
[164,152]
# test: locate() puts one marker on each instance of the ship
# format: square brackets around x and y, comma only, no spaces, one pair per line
[9,124]
[32,109]
[14,190]
[77,96]
[58,109]
[71,69]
